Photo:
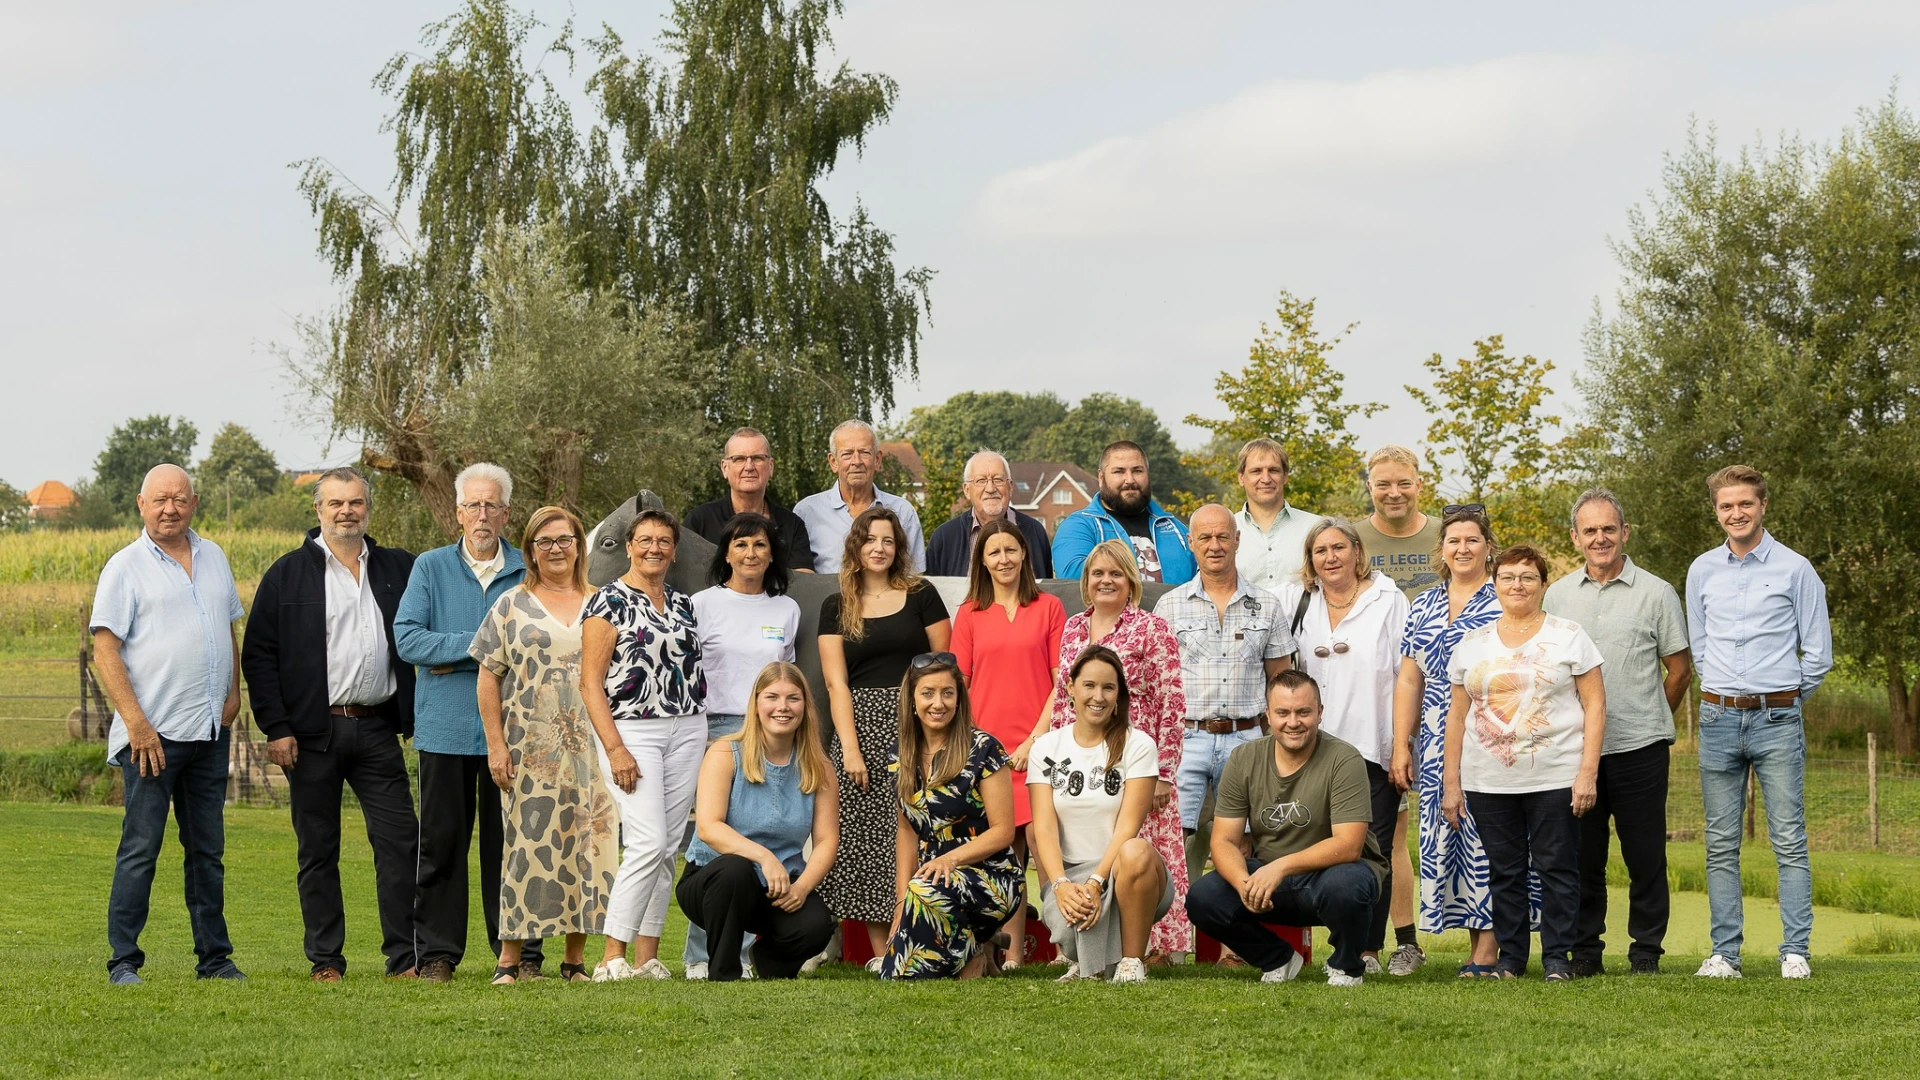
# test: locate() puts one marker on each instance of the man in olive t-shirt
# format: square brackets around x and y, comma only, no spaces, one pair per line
[1303,800]
[1400,540]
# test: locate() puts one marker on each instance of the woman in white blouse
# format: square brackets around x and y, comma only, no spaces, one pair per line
[1349,636]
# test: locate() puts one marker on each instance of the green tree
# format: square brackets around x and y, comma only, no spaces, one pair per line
[134,448]
[1769,314]
[1289,392]
[236,462]
[13,507]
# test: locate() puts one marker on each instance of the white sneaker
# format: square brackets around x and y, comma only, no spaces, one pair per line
[1073,972]
[1341,978]
[828,955]
[613,970]
[1719,967]
[1286,973]
[652,969]
[697,972]
[1131,969]
[1795,966]
[1370,965]
[1405,960]
[746,972]
[873,965]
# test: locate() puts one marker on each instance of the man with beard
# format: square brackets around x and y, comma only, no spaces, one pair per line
[1125,508]
[334,700]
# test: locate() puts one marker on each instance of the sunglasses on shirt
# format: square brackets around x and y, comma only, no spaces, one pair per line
[1323,652]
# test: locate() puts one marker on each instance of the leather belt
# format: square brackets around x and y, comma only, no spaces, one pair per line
[1778,700]
[351,710]
[1225,725]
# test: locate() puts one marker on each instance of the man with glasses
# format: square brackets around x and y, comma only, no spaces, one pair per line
[448,596]
[987,483]
[747,465]
[334,701]
[854,456]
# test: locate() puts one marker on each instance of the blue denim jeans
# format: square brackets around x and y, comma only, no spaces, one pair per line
[194,785]
[719,726]
[1202,756]
[1774,743]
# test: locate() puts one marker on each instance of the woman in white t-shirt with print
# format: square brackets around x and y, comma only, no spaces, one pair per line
[1523,739]
[746,621]
[1091,785]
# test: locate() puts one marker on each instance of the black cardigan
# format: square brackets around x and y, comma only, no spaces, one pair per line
[950,555]
[284,655]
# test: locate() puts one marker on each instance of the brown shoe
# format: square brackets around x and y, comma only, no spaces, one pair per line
[410,973]
[328,975]
[530,971]
[1157,958]
[1230,959]
[437,971]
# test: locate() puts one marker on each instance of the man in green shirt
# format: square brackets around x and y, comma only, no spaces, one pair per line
[1300,800]
[1400,540]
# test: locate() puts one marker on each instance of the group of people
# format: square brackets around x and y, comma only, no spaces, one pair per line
[1242,759]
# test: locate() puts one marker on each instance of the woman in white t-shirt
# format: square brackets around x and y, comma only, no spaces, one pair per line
[1349,638]
[745,622]
[1523,739]
[1091,785]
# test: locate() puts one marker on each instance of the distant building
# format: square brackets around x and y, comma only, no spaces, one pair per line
[1050,490]
[50,499]
[899,460]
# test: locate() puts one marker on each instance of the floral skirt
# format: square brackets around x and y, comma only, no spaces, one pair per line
[860,885]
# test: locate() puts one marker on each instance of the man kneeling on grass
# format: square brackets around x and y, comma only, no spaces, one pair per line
[1300,801]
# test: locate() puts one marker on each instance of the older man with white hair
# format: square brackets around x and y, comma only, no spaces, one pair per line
[854,456]
[987,484]
[158,612]
[448,594]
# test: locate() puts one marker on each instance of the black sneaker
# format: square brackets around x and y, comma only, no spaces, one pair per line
[1586,967]
[1646,965]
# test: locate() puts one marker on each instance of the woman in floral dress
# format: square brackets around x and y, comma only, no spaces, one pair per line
[1110,586]
[957,878]
[560,845]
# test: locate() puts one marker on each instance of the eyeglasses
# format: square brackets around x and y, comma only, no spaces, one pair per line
[1463,508]
[648,543]
[1323,652]
[1506,580]
[737,460]
[554,543]
[990,482]
[928,659]
[487,508]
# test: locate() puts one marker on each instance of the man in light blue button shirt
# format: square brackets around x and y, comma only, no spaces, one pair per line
[1757,616]
[163,639]
[854,456]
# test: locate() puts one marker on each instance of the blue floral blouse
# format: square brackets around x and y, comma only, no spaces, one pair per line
[655,671]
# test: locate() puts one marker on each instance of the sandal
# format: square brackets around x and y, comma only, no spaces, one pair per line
[1559,976]
[1477,971]
[574,973]
[506,975]
[1503,973]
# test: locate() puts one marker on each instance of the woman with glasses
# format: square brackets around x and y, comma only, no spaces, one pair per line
[646,692]
[883,616]
[954,870]
[1348,623]
[1525,722]
[1007,639]
[747,621]
[1110,586]
[558,868]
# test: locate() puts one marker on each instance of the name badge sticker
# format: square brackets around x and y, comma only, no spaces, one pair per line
[773,633]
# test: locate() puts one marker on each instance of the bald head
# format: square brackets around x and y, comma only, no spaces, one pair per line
[172,475]
[1215,537]
[167,503]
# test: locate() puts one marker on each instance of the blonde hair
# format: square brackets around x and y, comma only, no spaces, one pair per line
[752,736]
[1397,454]
[1121,553]
[953,757]
[1362,567]
[541,518]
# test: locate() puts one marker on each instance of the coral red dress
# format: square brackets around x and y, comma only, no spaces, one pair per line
[1008,664]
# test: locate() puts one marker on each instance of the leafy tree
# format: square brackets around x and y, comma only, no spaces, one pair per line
[134,448]
[1290,392]
[13,507]
[236,462]
[1769,313]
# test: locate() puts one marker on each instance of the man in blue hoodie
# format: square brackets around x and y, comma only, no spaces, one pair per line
[448,596]
[1125,508]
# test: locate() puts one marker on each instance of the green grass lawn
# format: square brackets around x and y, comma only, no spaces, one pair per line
[62,1018]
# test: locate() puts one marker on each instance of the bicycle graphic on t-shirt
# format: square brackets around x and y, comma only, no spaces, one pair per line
[1295,814]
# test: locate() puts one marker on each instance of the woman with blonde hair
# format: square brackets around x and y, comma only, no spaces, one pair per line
[766,791]
[883,616]
[558,870]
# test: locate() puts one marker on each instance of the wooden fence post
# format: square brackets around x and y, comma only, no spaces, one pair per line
[1873,791]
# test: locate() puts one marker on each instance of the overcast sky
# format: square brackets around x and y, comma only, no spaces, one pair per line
[1111,193]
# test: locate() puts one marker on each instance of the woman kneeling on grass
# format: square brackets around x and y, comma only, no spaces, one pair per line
[957,879]
[764,792]
[1091,785]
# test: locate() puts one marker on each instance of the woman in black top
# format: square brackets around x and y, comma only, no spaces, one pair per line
[883,617]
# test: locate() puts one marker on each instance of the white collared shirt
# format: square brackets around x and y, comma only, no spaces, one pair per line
[1356,686]
[487,570]
[358,672]
[1272,558]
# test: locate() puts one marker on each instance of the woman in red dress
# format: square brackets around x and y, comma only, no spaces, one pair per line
[1006,637]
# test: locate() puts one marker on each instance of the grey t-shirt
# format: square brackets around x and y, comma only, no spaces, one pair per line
[1635,619]
[1408,560]
[1288,814]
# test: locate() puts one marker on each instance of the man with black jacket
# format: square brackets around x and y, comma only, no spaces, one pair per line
[987,483]
[334,700]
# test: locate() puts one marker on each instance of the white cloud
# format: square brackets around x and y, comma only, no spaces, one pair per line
[56,45]
[1327,152]
[1835,24]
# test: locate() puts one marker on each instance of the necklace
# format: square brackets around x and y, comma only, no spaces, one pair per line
[1344,605]
[1519,628]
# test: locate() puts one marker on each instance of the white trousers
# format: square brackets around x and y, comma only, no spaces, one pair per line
[652,817]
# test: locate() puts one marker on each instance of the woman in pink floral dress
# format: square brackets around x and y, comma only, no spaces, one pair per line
[1110,585]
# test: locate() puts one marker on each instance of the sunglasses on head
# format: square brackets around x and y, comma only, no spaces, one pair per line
[1323,652]
[1463,508]
[928,659]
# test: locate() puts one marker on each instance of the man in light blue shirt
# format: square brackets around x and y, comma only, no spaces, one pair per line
[163,639]
[854,457]
[1757,617]
[1273,533]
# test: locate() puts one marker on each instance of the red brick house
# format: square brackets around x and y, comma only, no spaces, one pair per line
[1050,490]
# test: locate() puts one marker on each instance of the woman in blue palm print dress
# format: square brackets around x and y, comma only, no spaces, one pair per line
[1453,865]
[957,879]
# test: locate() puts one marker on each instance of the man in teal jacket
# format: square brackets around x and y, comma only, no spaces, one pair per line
[1125,510]
[448,596]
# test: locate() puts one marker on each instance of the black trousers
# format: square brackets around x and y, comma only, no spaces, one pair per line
[1633,792]
[1386,808]
[726,899]
[365,753]
[1340,898]
[456,790]
[1537,827]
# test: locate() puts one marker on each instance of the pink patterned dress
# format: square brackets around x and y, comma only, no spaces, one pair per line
[1151,656]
